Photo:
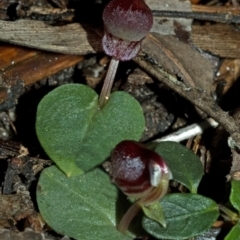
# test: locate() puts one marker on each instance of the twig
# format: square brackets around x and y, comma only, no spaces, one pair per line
[189,131]
[216,14]
[195,95]
[216,17]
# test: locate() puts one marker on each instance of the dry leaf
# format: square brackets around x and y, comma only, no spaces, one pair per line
[179,58]
[81,39]
[227,75]
[69,39]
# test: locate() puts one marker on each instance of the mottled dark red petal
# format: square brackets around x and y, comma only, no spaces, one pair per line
[134,190]
[120,49]
[128,19]
[130,168]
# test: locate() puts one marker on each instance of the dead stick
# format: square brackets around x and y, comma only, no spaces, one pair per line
[216,14]
[195,95]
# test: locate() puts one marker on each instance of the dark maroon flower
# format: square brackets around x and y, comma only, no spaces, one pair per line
[140,173]
[135,169]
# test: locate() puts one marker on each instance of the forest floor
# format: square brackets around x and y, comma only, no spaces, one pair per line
[43,46]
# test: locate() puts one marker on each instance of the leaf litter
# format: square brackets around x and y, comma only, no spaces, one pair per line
[179,57]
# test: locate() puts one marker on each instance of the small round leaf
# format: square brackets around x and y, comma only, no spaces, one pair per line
[186,215]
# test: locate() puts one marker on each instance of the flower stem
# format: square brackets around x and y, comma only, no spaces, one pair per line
[128,216]
[159,192]
[108,82]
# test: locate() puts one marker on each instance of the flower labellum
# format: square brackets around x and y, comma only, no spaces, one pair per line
[140,173]
[126,23]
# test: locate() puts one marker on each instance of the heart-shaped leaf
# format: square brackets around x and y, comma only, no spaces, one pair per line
[185,166]
[76,134]
[235,194]
[82,207]
[186,215]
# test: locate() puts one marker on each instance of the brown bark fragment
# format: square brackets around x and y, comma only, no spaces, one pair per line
[10,55]
[21,66]
[39,67]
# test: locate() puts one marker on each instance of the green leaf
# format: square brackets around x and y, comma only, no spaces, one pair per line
[76,134]
[154,211]
[186,215]
[185,166]
[82,207]
[235,194]
[234,234]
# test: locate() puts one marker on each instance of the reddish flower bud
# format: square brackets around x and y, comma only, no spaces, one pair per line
[140,173]
[135,169]
[126,22]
